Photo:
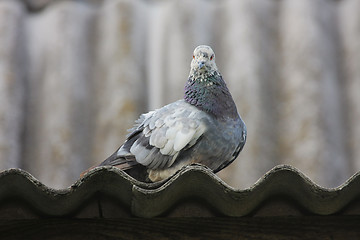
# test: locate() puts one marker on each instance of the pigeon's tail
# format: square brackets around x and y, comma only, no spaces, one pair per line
[121,162]
[125,163]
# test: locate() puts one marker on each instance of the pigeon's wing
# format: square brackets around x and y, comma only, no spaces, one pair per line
[159,136]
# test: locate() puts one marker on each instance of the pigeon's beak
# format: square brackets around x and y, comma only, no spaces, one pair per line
[201,64]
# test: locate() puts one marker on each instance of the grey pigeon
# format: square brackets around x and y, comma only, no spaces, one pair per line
[204,127]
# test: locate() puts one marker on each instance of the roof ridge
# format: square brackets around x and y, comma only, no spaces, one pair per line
[191,182]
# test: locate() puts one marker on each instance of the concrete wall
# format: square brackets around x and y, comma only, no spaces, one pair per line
[74,75]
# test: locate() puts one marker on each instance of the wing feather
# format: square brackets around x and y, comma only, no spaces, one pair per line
[183,138]
[162,134]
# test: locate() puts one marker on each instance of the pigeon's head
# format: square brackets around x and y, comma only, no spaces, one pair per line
[206,88]
[203,61]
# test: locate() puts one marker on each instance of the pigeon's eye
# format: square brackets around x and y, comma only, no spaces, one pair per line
[193,56]
[211,58]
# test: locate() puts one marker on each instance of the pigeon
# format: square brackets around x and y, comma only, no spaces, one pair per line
[204,128]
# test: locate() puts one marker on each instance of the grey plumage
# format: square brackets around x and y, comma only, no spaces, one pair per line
[204,128]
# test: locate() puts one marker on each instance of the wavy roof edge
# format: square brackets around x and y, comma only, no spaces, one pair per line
[192,182]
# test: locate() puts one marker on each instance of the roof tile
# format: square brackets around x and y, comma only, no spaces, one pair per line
[194,191]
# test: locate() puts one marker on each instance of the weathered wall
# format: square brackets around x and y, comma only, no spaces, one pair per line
[74,75]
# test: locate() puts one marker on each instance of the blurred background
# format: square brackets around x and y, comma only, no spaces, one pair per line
[74,75]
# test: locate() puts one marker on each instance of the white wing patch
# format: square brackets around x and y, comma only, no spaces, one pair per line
[183,137]
[166,132]
[168,148]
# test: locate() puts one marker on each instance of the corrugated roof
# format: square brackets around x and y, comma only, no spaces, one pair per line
[193,191]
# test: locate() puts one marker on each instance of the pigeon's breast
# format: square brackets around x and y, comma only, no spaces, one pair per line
[221,143]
